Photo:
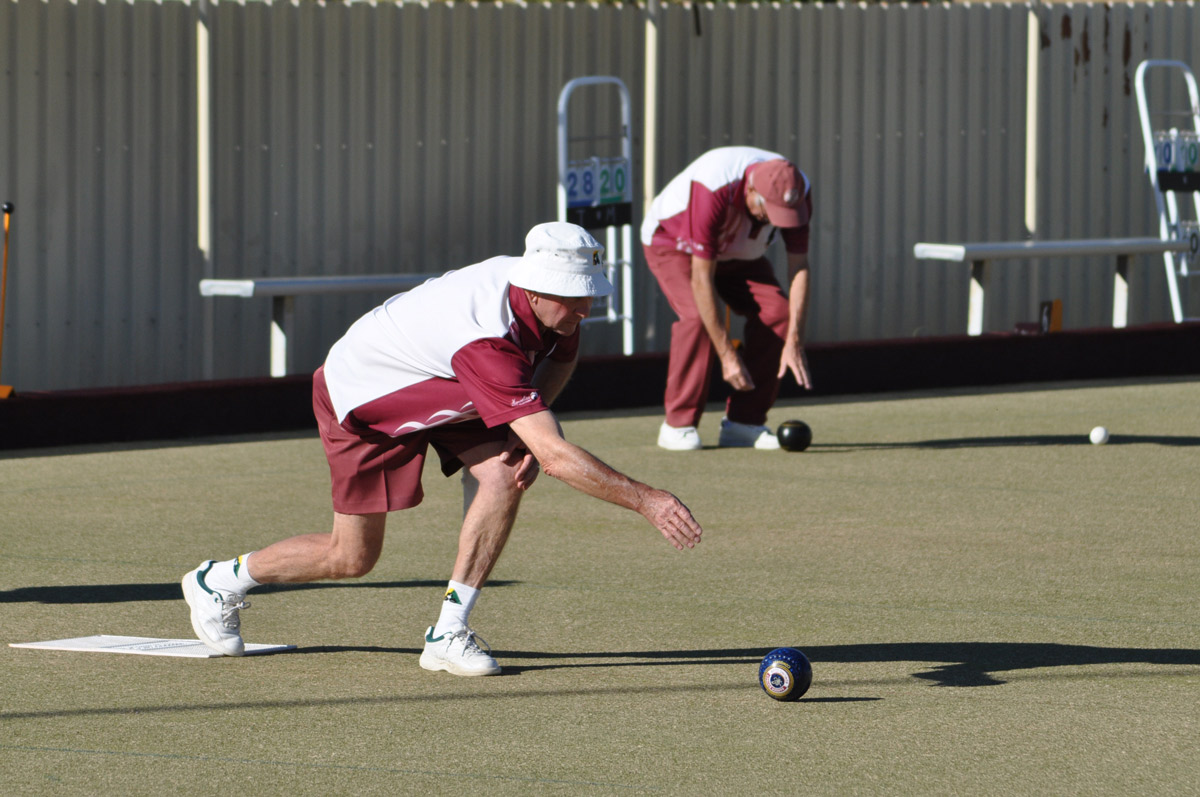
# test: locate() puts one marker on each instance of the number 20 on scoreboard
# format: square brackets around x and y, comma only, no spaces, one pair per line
[597,181]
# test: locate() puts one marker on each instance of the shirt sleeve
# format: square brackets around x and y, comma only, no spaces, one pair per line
[706,214]
[497,378]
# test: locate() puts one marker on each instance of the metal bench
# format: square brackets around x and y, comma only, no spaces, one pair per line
[981,255]
[284,290]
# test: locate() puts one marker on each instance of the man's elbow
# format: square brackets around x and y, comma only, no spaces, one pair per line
[553,459]
[552,466]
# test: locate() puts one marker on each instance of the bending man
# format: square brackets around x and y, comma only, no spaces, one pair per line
[467,364]
[705,237]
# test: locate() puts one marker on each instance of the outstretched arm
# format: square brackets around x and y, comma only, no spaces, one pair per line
[550,378]
[576,467]
[793,357]
[704,292]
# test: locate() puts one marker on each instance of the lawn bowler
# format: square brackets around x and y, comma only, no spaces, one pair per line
[466,364]
[705,237]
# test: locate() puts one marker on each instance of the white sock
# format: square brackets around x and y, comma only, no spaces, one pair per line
[231,576]
[455,608]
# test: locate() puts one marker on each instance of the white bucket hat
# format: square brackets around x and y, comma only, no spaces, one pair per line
[561,259]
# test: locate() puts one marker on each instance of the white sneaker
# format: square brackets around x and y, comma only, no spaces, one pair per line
[457,652]
[215,617]
[683,438]
[745,435]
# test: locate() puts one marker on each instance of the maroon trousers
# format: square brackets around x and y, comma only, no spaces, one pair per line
[748,288]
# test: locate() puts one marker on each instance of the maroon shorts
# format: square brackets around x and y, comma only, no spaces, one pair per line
[373,472]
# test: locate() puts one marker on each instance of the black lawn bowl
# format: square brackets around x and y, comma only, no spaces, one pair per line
[794,435]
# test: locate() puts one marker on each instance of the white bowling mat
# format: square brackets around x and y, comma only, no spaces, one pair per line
[145,646]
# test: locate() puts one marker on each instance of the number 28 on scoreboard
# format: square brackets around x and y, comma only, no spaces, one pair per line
[598,181]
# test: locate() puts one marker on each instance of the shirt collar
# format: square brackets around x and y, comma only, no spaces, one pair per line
[755,224]
[526,333]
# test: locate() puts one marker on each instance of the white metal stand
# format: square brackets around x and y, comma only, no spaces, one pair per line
[597,193]
[1170,174]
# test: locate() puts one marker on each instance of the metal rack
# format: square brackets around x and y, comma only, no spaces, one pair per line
[597,193]
[1173,167]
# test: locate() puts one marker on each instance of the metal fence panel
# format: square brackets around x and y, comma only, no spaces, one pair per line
[1090,147]
[410,137]
[908,120]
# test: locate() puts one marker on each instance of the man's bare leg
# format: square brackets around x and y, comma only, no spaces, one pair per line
[491,498]
[215,591]
[487,522]
[349,551]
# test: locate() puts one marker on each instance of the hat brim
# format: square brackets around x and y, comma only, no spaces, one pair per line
[782,216]
[544,276]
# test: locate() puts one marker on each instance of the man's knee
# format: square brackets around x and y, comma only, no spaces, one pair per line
[355,545]
[494,476]
[351,564]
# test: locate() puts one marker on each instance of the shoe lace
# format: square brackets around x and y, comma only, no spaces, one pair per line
[470,642]
[229,611]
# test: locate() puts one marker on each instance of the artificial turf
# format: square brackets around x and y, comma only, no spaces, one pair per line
[991,605]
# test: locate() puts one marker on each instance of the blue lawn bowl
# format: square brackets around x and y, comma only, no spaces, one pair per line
[785,674]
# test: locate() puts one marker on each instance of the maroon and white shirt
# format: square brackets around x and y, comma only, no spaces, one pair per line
[702,211]
[461,346]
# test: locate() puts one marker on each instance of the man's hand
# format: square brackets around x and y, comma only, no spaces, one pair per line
[575,466]
[668,514]
[704,292]
[793,357]
[528,470]
[795,360]
[733,371]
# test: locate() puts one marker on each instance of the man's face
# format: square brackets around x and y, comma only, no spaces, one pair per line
[756,206]
[560,314]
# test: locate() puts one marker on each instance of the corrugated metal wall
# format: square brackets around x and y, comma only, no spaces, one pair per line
[1090,148]
[96,156]
[386,138]
[366,138]
[909,121]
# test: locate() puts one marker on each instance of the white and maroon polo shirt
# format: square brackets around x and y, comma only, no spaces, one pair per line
[461,346]
[703,210]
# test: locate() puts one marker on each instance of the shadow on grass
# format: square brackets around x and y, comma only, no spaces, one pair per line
[1009,440]
[973,663]
[171,591]
[958,663]
[469,692]
[961,663]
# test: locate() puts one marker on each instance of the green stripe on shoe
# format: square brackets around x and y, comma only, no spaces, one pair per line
[200,578]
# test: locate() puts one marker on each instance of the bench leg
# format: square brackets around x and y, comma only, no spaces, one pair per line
[283,314]
[1121,293]
[979,274]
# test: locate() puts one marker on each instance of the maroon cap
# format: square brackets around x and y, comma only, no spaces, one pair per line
[781,186]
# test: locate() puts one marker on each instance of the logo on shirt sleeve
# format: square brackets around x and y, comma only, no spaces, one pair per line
[521,402]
